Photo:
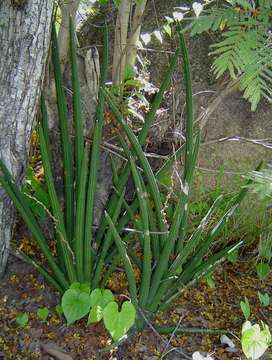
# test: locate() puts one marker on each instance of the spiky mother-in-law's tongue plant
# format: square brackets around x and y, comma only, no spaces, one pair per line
[170,259]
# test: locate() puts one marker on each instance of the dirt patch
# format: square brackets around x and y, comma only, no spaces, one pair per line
[23,290]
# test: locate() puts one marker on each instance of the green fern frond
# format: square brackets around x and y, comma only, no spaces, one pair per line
[215,19]
[245,48]
[256,81]
[233,52]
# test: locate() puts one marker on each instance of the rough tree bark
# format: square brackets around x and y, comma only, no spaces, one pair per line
[24,42]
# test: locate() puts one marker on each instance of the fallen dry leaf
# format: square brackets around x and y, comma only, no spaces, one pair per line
[55,351]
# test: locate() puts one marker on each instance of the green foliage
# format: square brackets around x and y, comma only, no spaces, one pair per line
[100,298]
[183,256]
[22,319]
[58,309]
[210,281]
[262,186]
[118,323]
[264,299]
[251,224]
[75,243]
[265,244]
[78,301]
[262,182]
[245,50]
[263,270]
[37,196]
[233,257]
[245,307]
[172,257]
[105,2]
[43,313]
[255,340]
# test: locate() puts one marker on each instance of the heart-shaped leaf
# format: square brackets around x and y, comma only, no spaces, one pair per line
[100,298]
[255,340]
[264,299]
[81,287]
[245,307]
[75,305]
[158,35]
[95,315]
[22,319]
[43,313]
[146,38]
[197,7]
[118,323]
[177,15]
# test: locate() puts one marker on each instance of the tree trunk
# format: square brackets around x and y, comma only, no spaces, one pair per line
[24,41]
[120,41]
[135,32]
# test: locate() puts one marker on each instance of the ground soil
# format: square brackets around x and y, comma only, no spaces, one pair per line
[24,290]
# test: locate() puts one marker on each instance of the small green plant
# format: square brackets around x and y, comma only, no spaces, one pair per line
[233,257]
[171,257]
[262,182]
[210,280]
[78,301]
[43,313]
[100,298]
[58,309]
[118,323]
[22,319]
[262,186]
[263,270]
[245,307]
[248,223]
[255,340]
[264,299]
[77,248]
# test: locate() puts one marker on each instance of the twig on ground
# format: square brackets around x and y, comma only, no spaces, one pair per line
[166,351]
[267,143]
[177,350]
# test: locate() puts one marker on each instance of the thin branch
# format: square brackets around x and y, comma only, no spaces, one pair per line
[166,351]
[177,350]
